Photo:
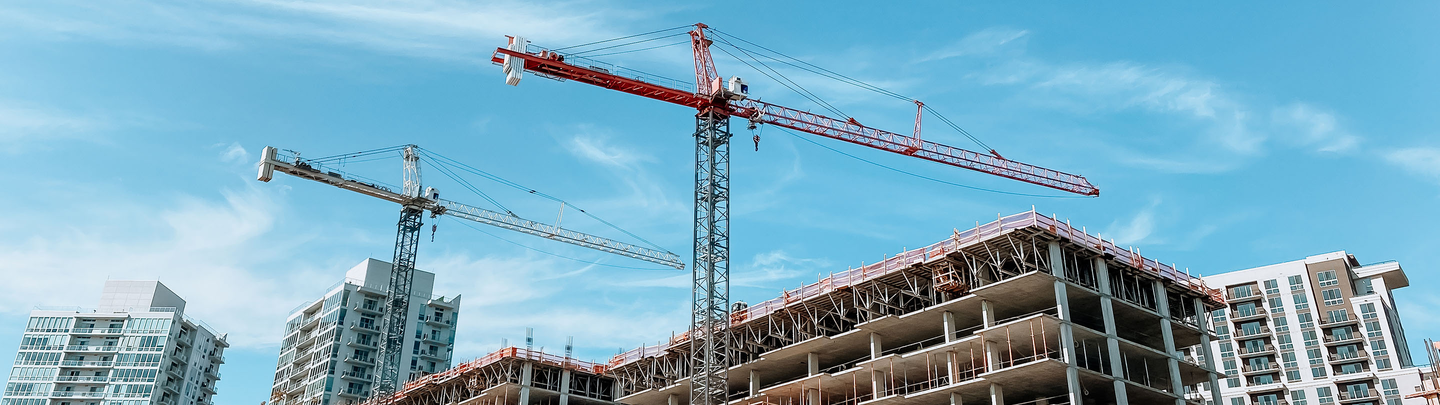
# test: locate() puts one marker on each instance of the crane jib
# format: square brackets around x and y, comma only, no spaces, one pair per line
[554,66]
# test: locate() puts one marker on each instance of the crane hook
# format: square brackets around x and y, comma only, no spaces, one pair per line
[432,232]
[753,128]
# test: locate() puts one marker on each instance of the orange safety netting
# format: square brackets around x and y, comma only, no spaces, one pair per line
[959,240]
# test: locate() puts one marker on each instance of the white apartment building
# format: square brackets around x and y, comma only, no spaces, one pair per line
[1323,330]
[136,348]
[331,344]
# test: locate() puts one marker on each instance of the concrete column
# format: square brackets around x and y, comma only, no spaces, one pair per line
[992,355]
[952,366]
[1172,363]
[955,399]
[1203,317]
[987,313]
[754,383]
[875,345]
[1112,339]
[812,396]
[997,394]
[1067,340]
[565,387]
[525,379]
[950,327]
[1057,259]
[812,363]
[672,400]
[878,383]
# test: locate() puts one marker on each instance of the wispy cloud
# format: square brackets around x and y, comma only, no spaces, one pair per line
[21,122]
[1138,229]
[1421,161]
[424,28]
[631,168]
[1201,124]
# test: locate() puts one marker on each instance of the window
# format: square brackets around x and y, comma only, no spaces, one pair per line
[1237,401]
[1263,379]
[1244,310]
[1333,297]
[1374,329]
[1306,321]
[1317,372]
[1311,339]
[1250,328]
[1364,287]
[1327,278]
[1377,347]
[1277,305]
[1285,343]
[1282,325]
[1241,291]
[1297,397]
[1223,331]
[1272,287]
[1292,375]
[1368,309]
[1300,301]
[1383,364]
[1232,382]
[1314,355]
[1390,387]
[1338,315]
[1351,368]
[1289,359]
[1297,283]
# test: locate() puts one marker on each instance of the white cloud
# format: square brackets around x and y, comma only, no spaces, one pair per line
[1306,125]
[985,42]
[1421,161]
[18,122]
[764,270]
[234,153]
[1139,229]
[424,28]
[221,256]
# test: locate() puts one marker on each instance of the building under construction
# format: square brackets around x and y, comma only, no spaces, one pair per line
[1022,310]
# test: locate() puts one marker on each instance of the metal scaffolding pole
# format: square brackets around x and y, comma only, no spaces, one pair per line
[710,313]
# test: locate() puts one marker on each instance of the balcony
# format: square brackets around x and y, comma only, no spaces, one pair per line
[433,321]
[92,349]
[1358,395]
[435,338]
[1268,368]
[1237,316]
[1241,333]
[372,309]
[357,376]
[208,388]
[1248,352]
[362,343]
[1326,322]
[1349,357]
[178,373]
[217,358]
[76,394]
[97,331]
[359,327]
[361,360]
[1232,297]
[354,393]
[433,355]
[82,379]
[1332,340]
[1276,402]
[76,363]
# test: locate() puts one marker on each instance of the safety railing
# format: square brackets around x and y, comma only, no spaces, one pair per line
[959,240]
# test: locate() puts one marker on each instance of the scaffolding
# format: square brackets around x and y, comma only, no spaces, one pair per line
[499,377]
[918,279]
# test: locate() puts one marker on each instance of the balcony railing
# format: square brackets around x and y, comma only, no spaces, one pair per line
[1358,355]
[1263,349]
[363,360]
[1264,330]
[1328,320]
[92,331]
[1341,339]
[76,363]
[1265,368]
[358,376]
[1358,394]
[77,394]
[355,392]
[82,378]
[1248,313]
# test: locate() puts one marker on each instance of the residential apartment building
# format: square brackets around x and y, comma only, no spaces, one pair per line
[331,344]
[1322,330]
[137,347]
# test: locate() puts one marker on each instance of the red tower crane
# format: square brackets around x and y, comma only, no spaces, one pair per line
[717,101]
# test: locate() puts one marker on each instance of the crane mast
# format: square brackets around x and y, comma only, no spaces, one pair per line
[716,103]
[414,204]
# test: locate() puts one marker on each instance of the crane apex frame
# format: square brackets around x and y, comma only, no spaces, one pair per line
[407,240]
[716,104]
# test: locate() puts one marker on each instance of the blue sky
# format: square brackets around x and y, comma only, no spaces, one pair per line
[1222,137]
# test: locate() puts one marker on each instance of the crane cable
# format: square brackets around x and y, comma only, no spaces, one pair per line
[855,82]
[802,90]
[477,229]
[581,53]
[518,186]
[598,42]
[445,171]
